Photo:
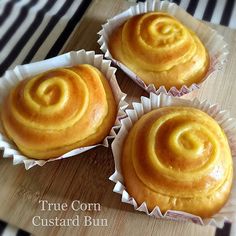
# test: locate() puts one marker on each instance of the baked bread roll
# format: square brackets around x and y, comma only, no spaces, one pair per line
[59,110]
[160,50]
[178,158]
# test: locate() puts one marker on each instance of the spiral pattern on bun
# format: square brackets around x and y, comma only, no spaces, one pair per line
[178,158]
[59,110]
[160,50]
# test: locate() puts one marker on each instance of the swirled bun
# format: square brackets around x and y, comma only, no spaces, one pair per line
[160,50]
[178,158]
[59,110]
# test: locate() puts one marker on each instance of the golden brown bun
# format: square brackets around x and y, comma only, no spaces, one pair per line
[160,50]
[178,158]
[59,110]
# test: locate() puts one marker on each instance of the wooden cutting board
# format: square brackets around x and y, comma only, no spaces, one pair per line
[84,178]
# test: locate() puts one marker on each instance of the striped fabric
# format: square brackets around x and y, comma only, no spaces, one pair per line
[216,11]
[9,230]
[31,30]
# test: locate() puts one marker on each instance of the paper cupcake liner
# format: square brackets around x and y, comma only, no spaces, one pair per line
[214,42]
[228,212]
[13,77]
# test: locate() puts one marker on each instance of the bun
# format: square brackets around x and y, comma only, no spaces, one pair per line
[160,50]
[59,110]
[178,158]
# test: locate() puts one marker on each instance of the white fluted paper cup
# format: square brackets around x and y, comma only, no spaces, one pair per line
[12,77]
[213,41]
[228,212]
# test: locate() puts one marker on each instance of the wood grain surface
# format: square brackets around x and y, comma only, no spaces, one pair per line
[85,177]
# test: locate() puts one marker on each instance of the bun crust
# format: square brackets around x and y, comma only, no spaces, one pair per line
[59,110]
[160,50]
[178,158]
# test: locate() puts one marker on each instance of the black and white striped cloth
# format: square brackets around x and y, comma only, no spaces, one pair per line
[216,11]
[9,230]
[32,30]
